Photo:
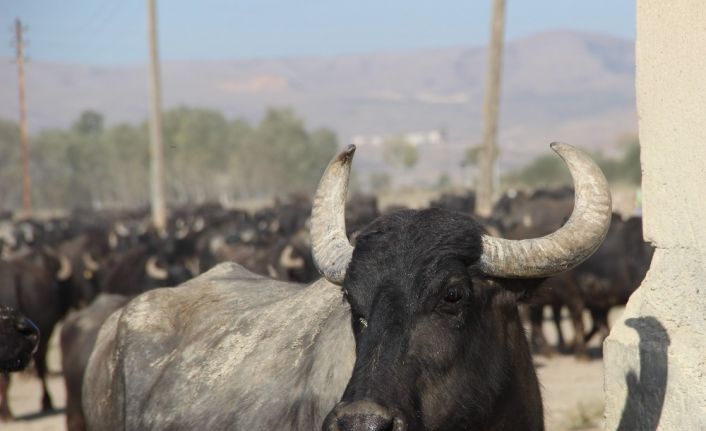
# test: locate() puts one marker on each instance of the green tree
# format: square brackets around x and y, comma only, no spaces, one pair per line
[472,155]
[126,147]
[207,157]
[399,152]
[379,181]
[549,170]
[90,122]
[196,153]
[10,172]
[632,169]
[626,168]
[281,156]
[545,171]
[443,182]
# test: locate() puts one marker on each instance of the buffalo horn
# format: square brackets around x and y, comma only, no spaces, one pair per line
[569,245]
[182,232]
[199,224]
[330,247]
[65,269]
[121,229]
[153,270]
[89,262]
[113,240]
[287,259]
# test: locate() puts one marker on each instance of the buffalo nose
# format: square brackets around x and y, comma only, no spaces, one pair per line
[362,415]
[363,421]
[25,327]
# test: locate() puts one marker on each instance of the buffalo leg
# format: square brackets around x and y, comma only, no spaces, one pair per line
[539,342]
[5,413]
[576,312]
[599,316]
[40,361]
[75,420]
[74,415]
[602,320]
[556,315]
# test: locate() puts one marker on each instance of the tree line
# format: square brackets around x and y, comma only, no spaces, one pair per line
[550,171]
[208,157]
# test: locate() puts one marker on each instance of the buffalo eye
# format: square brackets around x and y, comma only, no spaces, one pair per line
[359,323]
[453,294]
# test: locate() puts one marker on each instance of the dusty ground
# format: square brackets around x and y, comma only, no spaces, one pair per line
[26,397]
[572,391]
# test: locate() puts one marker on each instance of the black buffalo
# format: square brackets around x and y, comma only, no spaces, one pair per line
[422,334]
[35,285]
[604,280]
[519,215]
[611,275]
[18,340]
[78,335]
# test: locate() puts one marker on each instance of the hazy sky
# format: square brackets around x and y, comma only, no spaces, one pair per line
[114,32]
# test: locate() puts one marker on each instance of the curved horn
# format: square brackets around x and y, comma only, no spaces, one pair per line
[182,232]
[89,262]
[155,271]
[330,247]
[287,259]
[572,243]
[65,269]
[121,229]
[199,224]
[113,240]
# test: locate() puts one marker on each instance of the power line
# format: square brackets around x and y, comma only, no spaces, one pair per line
[93,36]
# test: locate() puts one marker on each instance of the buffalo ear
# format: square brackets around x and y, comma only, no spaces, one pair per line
[524,289]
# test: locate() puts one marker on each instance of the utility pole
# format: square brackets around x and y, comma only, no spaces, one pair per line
[24,140]
[489,149]
[159,216]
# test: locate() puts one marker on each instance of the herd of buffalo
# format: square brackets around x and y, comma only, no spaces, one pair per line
[423,332]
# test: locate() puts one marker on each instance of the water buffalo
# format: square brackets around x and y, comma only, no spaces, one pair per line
[611,275]
[520,215]
[78,335]
[36,286]
[141,268]
[422,334]
[18,340]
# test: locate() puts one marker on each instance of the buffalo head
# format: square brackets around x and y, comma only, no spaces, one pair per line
[18,340]
[439,344]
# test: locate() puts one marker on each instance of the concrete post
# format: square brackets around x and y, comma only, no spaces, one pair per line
[655,356]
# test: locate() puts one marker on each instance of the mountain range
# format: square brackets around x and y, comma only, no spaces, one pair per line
[558,85]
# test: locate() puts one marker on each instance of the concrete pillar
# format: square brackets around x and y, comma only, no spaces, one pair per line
[655,356]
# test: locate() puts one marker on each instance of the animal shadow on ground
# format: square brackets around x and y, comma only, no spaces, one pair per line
[643,406]
[595,353]
[40,414]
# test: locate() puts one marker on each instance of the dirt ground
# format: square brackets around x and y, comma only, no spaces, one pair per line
[26,397]
[572,392]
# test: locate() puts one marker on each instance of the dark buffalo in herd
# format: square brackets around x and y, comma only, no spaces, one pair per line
[18,340]
[414,325]
[604,280]
[78,335]
[35,284]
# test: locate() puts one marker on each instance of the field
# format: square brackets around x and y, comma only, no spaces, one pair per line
[572,391]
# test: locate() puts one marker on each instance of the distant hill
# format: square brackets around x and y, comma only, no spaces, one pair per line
[559,85]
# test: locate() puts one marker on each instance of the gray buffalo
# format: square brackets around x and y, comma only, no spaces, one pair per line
[414,328]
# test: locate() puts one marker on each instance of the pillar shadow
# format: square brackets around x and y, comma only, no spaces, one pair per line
[645,399]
